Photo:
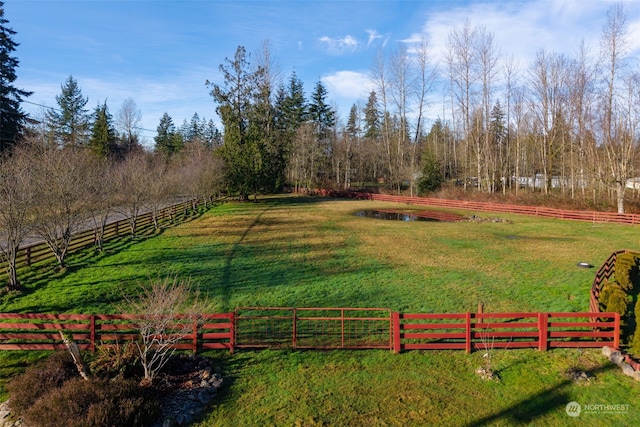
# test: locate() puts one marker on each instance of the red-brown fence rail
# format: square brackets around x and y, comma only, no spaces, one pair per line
[323,328]
[484,331]
[590,216]
[30,254]
[42,331]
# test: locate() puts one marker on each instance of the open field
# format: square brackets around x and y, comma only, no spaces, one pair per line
[305,252]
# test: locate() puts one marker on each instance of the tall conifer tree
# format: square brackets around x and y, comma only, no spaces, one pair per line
[70,122]
[12,118]
[103,135]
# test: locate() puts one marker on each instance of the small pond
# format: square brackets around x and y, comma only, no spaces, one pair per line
[415,216]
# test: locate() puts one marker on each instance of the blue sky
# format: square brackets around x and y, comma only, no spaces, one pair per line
[160,53]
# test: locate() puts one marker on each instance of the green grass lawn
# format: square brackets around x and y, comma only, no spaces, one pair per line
[310,252]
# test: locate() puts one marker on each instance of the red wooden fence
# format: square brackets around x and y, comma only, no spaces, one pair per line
[42,331]
[590,216]
[328,328]
[485,331]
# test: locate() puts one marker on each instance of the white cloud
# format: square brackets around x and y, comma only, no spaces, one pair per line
[340,46]
[373,36]
[348,85]
[522,28]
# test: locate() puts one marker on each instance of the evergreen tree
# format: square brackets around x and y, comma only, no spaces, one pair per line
[320,112]
[103,134]
[294,108]
[291,113]
[168,140]
[12,118]
[432,177]
[353,127]
[252,154]
[70,122]
[372,117]
[192,131]
[212,136]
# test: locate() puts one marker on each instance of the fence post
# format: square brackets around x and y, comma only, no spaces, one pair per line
[295,328]
[543,323]
[232,331]
[616,330]
[467,332]
[342,327]
[395,320]
[92,332]
[195,336]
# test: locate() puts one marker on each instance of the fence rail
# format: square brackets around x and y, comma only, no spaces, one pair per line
[324,328]
[42,331]
[483,331]
[589,216]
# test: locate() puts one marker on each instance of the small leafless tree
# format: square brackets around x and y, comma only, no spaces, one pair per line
[16,203]
[103,191]
[165,312]
[199,173]
[63,201]
[157,186]
[127,121]
[132,184]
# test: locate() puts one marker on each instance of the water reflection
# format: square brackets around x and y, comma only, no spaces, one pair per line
[394,216]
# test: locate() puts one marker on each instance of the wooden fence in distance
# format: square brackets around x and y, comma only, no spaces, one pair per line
[31,254]
[395,331]
[541,211]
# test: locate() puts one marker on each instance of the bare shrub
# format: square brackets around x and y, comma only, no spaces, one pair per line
[39,379]
[119,360]
[165,312]
[94,403]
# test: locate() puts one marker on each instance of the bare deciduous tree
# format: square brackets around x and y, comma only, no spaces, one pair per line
[16,203]
[164,312]
[199,173]
[128,121]
[132,184]
[619,145]
[102,189]
[61,176]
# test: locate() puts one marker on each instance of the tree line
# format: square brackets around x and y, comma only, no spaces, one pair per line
[52,193]
[559,123]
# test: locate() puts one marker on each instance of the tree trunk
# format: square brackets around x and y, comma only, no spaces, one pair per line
[620,189]
[12,271]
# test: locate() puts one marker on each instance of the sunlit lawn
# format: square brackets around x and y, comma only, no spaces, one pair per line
[307,252]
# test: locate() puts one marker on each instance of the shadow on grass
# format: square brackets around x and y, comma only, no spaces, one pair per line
[40,273]
[526,411]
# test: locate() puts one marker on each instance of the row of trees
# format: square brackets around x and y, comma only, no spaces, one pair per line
[71,125]
[559,122]
[51,193]
[572,120]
